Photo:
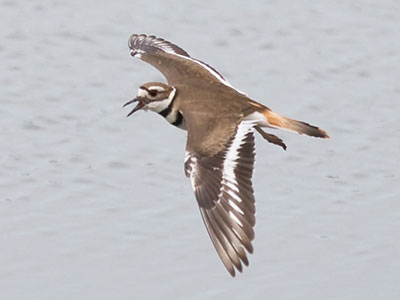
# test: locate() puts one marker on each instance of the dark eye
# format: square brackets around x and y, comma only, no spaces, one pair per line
[153,93]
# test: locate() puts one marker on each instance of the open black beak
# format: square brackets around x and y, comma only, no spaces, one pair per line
[137,107]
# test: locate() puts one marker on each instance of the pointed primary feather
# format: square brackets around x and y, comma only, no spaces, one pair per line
[223,189]
[171,60]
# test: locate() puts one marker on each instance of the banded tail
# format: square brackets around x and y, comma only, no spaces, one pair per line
[277,121]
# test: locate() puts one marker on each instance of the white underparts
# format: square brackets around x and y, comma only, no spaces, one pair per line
[172,116]
[259,119]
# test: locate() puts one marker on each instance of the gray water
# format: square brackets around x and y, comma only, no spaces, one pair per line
[96,206]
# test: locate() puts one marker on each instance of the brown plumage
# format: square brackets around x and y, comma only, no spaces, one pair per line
[220,149]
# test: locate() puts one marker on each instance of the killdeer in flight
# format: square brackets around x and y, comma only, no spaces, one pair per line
[220,123]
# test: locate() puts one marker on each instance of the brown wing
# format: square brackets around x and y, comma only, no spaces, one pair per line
[172,61]
[223,188]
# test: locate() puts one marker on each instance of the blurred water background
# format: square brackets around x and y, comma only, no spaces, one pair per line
[96,206]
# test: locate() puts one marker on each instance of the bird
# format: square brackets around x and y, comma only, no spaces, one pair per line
[221,123]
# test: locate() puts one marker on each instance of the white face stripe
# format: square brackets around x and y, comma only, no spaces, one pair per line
[159,105]
[142,93]
[156,88]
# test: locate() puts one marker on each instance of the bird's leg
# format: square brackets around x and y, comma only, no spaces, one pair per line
[271,138]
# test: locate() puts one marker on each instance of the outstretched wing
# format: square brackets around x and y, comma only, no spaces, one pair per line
[223,188]
[172,61]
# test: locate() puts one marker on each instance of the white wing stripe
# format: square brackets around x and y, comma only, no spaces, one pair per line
[233,151]
[235,219]
[192,171]
[137,41]
[235,207]
[214,73]
[233,195]
[231,185]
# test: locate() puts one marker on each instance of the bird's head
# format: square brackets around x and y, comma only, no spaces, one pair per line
[155,96]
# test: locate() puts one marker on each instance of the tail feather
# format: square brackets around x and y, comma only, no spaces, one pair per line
[278,121]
